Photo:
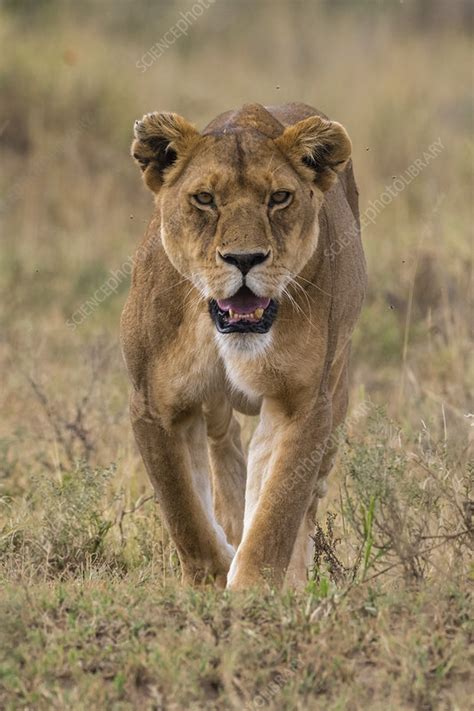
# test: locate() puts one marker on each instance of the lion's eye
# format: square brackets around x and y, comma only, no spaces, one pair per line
[280,197]
[204,198]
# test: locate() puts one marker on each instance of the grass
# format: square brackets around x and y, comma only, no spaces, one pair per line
[121,644]
[92,613]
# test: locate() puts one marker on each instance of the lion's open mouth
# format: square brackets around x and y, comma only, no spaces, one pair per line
[244,312]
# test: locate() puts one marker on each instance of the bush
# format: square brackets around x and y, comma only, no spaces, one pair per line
[405,505]
[60,527]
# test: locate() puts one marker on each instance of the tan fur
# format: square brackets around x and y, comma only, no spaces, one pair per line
[236,523]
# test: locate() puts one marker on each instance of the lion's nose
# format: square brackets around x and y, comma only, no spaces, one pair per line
[245,261]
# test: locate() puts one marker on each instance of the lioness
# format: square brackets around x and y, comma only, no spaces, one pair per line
[244,297]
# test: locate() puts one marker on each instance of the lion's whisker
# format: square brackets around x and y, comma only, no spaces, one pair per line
[173,286]
[296,306]
[298,276]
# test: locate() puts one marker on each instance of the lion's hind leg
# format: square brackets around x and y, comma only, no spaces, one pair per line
[228,466]
[302,558]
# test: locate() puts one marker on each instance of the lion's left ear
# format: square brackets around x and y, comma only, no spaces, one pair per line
[321,145]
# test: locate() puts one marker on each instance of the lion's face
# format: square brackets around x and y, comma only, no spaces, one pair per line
[240,223]
[239,209]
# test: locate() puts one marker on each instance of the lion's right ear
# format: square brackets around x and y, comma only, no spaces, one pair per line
[161,140]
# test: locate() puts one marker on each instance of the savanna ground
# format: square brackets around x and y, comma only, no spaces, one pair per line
[91,611]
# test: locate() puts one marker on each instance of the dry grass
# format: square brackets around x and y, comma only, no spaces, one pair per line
[91,612]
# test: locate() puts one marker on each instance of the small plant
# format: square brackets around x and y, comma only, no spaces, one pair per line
[368,522]
[326,563]
[71,424]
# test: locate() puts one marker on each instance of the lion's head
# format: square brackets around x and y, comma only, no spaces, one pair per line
[239,204]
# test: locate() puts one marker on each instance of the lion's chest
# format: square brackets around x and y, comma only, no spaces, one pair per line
[266,369]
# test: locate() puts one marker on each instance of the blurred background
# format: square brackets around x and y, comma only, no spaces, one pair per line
[92,613]
[74,77]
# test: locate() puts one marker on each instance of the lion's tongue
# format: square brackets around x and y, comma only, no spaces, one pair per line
[243,302]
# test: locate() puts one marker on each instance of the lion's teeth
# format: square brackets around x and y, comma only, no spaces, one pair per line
[255,315]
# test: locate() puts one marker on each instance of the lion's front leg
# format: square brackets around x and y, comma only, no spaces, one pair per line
[283,472]
[177,463]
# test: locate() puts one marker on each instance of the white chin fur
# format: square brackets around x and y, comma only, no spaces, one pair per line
[247,345]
